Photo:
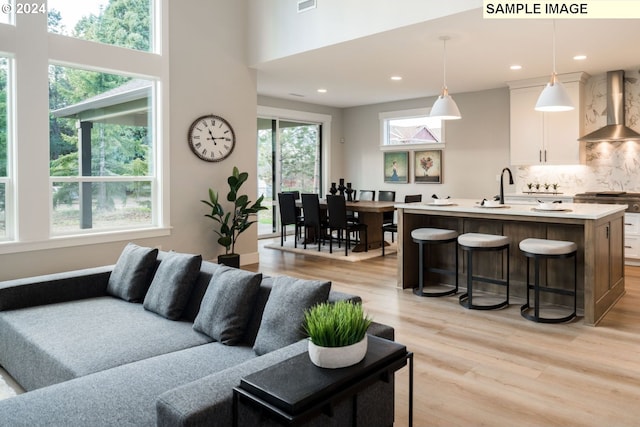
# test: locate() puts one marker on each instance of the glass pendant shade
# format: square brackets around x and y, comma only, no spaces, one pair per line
[445,108]
[554,97]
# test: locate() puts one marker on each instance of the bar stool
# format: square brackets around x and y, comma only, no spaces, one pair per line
[478,242]
[434,236]
[540,249]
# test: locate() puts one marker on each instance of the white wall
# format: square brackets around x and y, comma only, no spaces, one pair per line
[277,30]
[208,74]
[477,146]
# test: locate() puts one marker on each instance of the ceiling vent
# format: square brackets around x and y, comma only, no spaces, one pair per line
[304,5]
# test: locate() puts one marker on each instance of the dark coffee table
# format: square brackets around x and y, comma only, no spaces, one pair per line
[315,389]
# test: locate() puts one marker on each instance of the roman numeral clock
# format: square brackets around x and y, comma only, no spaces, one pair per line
[211,138]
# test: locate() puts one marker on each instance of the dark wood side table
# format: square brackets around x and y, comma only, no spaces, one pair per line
[315,390]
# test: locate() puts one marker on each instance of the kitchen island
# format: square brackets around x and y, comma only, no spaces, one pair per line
[597,229]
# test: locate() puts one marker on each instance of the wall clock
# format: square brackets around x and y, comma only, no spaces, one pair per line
[211,138]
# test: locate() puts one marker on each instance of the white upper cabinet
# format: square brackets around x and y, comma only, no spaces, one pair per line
[551,138]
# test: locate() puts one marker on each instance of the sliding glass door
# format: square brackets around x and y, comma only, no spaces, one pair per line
[289,159]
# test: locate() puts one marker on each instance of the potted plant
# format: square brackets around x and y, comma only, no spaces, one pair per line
[337,334]
[233,222]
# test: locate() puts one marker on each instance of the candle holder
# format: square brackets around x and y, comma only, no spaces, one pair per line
[333,190]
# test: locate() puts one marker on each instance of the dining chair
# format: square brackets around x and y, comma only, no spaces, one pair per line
[393,227]
[387,196]
[368,195]
[337,211]
[312,218]
[289,216]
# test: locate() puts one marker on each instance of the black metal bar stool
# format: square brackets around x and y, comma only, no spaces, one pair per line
[434,236]
[540,249]
[478,242]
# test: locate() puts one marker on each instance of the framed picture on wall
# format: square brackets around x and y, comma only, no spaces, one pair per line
[427,168]
[396,167]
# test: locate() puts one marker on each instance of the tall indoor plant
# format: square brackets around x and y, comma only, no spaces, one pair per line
[233,222]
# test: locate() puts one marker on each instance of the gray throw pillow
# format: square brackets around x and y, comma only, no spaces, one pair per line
[172,284]
[227,305]
[131,275]
[283,315]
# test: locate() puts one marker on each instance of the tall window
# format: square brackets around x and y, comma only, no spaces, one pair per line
[101,143]
[289,159]
[79,162]
[124,23]
[4,158]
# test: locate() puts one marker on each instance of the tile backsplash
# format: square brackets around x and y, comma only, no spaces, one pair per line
[609,165]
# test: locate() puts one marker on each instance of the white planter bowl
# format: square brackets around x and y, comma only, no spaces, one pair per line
[337,357]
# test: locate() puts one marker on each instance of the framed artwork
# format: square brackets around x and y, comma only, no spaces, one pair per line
[396,167]
[427,168]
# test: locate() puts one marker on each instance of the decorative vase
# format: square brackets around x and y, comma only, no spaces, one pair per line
[337,357]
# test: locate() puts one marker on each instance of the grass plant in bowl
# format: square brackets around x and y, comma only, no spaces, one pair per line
[337,334]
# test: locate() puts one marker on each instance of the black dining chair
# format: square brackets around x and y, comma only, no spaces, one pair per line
[368,195]
[289,216]
[393,227]
[337,211]
[312,218]
[387,196]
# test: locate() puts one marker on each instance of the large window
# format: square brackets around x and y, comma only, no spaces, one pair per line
[125,23]
[291,155]
[4,134]
[83,93]
[101,142]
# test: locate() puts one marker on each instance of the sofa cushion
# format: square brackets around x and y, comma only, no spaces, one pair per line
[123,396]
[227,305]
[172,284]
[132,273]
[52,343]
[283,315]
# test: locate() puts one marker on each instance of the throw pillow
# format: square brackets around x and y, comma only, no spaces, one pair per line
[131,275]
[172,284]
[226,306]
[283,315]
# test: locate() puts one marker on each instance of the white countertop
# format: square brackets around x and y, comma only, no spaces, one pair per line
[570,210]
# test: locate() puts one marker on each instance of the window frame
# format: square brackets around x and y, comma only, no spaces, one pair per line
[29,39]
[384,119]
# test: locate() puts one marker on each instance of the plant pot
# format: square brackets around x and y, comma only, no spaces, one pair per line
[230,260]
[337,357]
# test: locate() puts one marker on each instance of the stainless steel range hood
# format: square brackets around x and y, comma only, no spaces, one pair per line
[615,130]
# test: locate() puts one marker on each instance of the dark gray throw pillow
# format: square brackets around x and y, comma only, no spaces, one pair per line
[283,315]
[172,284]
[226,306]
[131,275]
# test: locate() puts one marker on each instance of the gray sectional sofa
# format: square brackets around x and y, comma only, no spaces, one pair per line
[157,339]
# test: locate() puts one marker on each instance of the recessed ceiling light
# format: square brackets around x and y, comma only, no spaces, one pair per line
[580,57]
[396,78]
[516,67]
[322,91]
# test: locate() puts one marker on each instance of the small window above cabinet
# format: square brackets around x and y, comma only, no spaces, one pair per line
[551,138]
[410,129]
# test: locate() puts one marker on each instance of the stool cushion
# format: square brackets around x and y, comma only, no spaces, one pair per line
[547,247]
[479,240]
[427,234]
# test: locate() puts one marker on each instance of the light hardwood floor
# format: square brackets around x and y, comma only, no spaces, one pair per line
[493,368]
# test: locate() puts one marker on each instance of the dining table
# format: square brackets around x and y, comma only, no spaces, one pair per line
[370,212]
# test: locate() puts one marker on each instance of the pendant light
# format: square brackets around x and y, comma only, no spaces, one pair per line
[445,107]
[554,96]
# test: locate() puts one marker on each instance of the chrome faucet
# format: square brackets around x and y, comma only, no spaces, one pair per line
[502,183]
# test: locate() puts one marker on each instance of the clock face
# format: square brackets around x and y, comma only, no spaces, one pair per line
[211,138]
